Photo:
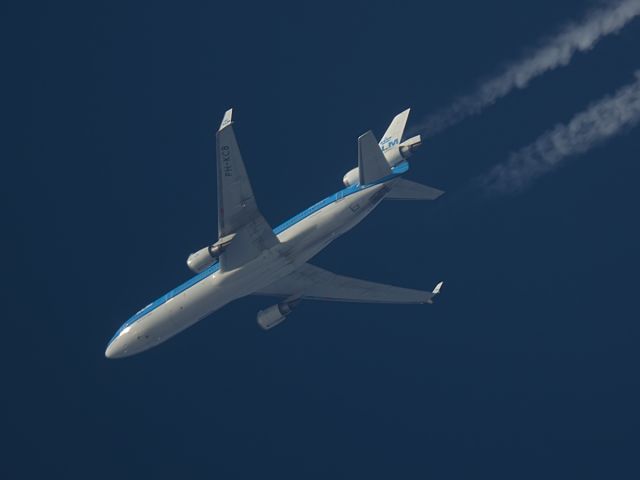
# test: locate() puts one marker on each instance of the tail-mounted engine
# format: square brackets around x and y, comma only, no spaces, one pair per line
[394,155]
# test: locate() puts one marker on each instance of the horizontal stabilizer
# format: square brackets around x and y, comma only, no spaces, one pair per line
[407,190]
[372,165]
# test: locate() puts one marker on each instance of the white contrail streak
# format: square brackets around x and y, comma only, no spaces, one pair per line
[552,53]
[600,121]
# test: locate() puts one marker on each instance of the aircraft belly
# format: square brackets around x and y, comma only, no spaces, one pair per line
[204,298]
[312,234]
[297,245]
[174,316]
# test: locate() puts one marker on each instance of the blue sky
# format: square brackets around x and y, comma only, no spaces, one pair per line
[525,367]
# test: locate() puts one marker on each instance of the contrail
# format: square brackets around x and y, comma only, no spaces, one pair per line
[602,120]
[552,53]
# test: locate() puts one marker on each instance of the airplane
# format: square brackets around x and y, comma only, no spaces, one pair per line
[252,258]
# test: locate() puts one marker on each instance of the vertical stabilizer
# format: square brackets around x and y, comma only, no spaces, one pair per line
[393,136]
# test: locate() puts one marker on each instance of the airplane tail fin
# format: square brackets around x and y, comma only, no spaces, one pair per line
[407,190]
[372,165]
[395,150]
[376,160]
[393,135]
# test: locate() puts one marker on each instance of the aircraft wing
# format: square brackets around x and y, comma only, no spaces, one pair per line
[238,214]
[314,283]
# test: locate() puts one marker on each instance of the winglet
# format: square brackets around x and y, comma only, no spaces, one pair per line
[435,291]
[226,120]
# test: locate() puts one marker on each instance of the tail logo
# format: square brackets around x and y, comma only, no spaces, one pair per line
[387,142]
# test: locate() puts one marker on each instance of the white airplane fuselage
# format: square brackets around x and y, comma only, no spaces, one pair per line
[301,238]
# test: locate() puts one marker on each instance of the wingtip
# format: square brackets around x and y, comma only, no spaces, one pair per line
[226,120]
[435,292]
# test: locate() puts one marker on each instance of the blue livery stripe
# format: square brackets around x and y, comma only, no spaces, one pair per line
[345,192]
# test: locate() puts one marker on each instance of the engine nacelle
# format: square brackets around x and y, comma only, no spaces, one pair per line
[400,153]
[274,315]
[352,177]
[203,258]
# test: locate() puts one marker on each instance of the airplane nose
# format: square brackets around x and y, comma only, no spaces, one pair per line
[128,341]
[117,347]
[114,350]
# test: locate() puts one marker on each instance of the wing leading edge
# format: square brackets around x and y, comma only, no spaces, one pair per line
[314,283]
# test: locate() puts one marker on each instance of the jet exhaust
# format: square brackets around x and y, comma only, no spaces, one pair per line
[602,120]
[554,52]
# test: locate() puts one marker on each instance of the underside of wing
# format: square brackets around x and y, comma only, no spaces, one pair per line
[238,213]
[314,283]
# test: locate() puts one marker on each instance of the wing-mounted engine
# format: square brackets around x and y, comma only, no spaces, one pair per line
[275,314]
[207,256]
